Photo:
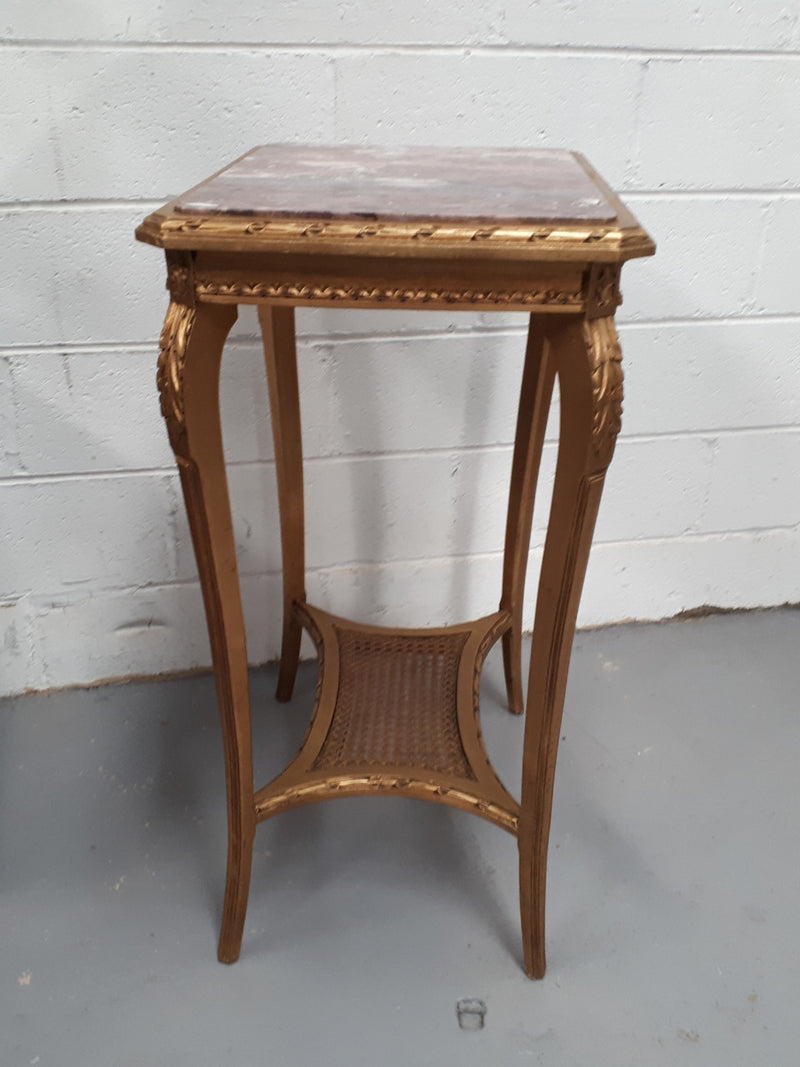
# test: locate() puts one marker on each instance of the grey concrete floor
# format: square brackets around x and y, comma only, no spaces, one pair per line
[673,887]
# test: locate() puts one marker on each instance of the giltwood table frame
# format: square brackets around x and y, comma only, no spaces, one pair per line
[566,275]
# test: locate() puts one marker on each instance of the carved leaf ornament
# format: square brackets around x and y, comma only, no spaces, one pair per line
[171,362]
[605,357]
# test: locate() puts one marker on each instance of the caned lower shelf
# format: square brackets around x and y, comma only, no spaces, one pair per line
[396,712]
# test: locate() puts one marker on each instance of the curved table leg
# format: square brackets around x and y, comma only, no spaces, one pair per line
[188,379]
[277,328]
[534,404]
[588,361]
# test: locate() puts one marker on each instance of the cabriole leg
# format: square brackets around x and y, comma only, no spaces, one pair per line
[188,379]
[277,328]
[587,358]
[534,404]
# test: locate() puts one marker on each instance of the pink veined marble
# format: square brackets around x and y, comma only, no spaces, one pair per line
[491,185]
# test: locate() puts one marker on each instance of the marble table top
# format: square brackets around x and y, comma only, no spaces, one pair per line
[388,184]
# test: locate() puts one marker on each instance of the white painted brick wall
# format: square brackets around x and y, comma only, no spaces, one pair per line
[493,100]
[693,113]
[689,109]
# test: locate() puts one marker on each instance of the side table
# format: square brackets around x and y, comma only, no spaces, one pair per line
[396,710]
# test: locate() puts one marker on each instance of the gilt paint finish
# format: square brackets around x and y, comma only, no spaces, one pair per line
[397,711]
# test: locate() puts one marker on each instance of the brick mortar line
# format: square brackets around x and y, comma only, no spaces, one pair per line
[467,50]
[19,207]
[403,455]
[192,582]
[99,348]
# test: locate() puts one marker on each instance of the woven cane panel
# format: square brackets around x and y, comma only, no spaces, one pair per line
[396,704]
